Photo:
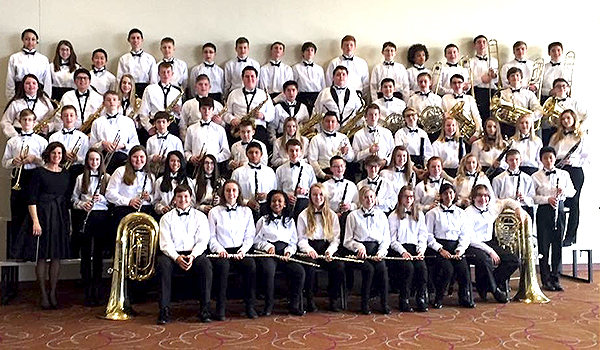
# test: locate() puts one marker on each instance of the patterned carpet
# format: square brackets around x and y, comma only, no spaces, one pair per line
[570,321]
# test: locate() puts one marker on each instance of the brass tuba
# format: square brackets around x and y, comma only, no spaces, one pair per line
[431,119]
[135,253]
[515,236]
[466,125]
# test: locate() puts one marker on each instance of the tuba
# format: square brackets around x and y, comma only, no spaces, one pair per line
[431,119]
[515,236]
[135,253]
[466,125]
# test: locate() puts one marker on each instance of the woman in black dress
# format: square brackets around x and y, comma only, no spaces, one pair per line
[48,221]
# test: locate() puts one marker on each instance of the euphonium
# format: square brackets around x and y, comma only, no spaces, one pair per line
[507,112]
[537,76]
[431,119]
[515,236]
[39,127]
[17,173]
[552,110]
[86,127]
[466,124]
[309,127]
[135,252]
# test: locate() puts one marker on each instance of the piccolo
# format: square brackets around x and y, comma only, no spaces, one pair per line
[324,257]
[283,258]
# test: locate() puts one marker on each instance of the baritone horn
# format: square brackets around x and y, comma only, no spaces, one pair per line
[135,253]
[466,124]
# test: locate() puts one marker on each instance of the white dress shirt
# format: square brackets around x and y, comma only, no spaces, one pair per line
[119,193]
[180,233]
[469,108]
[268,233]
[104,129]
[529,148]
[385,191]
[309,76]
[71,139]
[79,199]
[16,145]
[284,110]
[525,98]
[238,152]
[63,78]
[190,114]
[240,103]
[412,139]
[482,221]
[233,72]
[569,103]
[367,226]
[273,75]
[323,147]
[343,101]
[163,144]
[552,71]
[396,176]
[288,176]
[103,80]
[142,68]
[508,183]
[165,199]
[408,231]
[448,223]
[464,187]
[367,136]
[280,155]
[358,73]
[206,138]
[546,184]
[389,106]
[393,70]
[336,188]
[21,64]
[526,67]
[480,66]
[579,157]
[10,119]
[180,72]
[451,152]
[156,98]
[448,70]
[215,74]
[420,100]
[85,105]
[487,158]
[254,181]
[231,227]
[303,239]
[413,72]
[426,194]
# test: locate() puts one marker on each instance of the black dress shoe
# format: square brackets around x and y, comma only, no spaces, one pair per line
[437,302]
[421,305]
[365,309]
[386,309]
[268,310]
[220,316]
[567,242]
[405,306]
[500,296]
[334,305]
[557,287]
[296,311]
[549,287]
[469,304]
[251,313]
[311,306]
[482,294]
[163,316]
[204,317]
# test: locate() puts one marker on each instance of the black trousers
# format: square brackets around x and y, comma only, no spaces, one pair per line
[409,273]
[200,272]
[301,204]
[293,272]
[374,269]
[139,89]
[488,277]
[118,159]
[335,271]
[577,177]
[93,240]
[446,268]
[482,97]
[18,209]
[247,266]
[550,241]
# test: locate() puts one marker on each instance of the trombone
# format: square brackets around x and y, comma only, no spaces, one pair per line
[537,76]
[569,68]
[436,75]
[493,51]
[465,62]
[17,173]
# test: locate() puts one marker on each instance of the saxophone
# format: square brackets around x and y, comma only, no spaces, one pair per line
[235,131]
[308,128]
[86,127]
[136,107]
[39,127]
[172,105]
[352,125]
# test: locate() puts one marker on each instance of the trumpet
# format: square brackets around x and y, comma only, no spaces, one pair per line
[537,76]
[75,150]
[172,105]
[17,173]
[110,154]
[86,127]
[436,75]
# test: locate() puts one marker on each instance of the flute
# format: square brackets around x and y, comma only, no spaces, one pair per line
[232,256]
[399,258]
[324,257]
[283,258]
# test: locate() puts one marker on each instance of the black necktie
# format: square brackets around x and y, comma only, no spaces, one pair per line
[307,64]
[388,63]
[242,59]
[182,213]
[482,58]
[257,167]
[80,95]
[451,64]
[548,173]
[555,64]
[209,65]
[29,52]
[275,64]
[329,134]
[294,164]
[346,58]
[66,132]
[139,54]
[108,116]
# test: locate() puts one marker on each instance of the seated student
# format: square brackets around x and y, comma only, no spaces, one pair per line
[245,100]
[161,143]
[113,132]
[208,184]
[520,62]
[450,146]
[552,187]
[174,174]
[24,152]
[288,107]
[515,183]
[102,80]
[184,236]
[180,69]
[563,102]
[409,234]
[275,73]
[338,98]
[232,234]
[309,75]
[563,141]
[373,139]
[190,111]
[448,230]
[368,236]
[520,97]
[423,97]
[391,70]
[62,67]
[388,103]
[489,147]
[385,190]
[163,96]
[469,109]
[417,56]
[206,137]
[255,179]
[290,131]
[139,64]
[276,234]
[528,144]
[427,191]
[240,148]
[493,264]
[319,234]
[295,178]
[485,75]
[214,73]
[28,61]
[343,193]
[469,175]
[554,69]
[234,68]
[400,169]
[327,144]
[450,69]
[357,68]
[85,100]
[88,199]
[29,96]
[414,139]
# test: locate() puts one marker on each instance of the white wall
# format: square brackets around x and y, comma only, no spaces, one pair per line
[432,22]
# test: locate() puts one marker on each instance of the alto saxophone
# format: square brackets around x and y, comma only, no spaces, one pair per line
[235,131]
[135,108]
[39,127]
[172,105]
[86,127]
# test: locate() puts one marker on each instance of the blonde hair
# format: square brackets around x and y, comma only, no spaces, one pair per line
[456,136]
[560,132]
[461,174]
[284,138]
[326,215]
[518,135]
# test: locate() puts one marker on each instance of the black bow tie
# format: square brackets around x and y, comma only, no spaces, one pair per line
[165,87]
[435,181]
[388,63]
[346,58]
[366,215]
[64,64]
[329,134]
[98,71]
[182,213]
[371,130]
[560,99]
[295,164]
[308,64]
[168,60]
[548,173]
[459,96]
[412,130]
[385,99]
[318,213]
[451,64]
[246,92]
[79,95]
[555,64]
[205,124]
[520,61]
[373,182]
[163,137]
[108,116]
[209,65]
[140,170]
[566,133]
[275,217]
[419,68]
[451,211]
[471,175]
[257,167]
[515,90]
[481,211]
[139,54]
[231,209]
[338,180]
[526,137]
[408,212]
[242,59]
[401,170]
[449,139]
[339,88]
[94,175]
[275,64]
[426,94]
[66,132]
[27,99]
[29,52]
[514,174]
[27,134]
[482,58]
[244,143]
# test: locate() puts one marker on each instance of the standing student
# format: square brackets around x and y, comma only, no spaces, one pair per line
[450,146]
[388,103]
[215,74]
[343,193]
[389,69]
[48,220]
[319,234]
[102,79]
[62,67]
[275,73]
[520,62]
[450,69]
[528,144]
[141,65]
[520,97]
[190,111]
[89,200]
[368,236]
[385,191]
[400,169]
[469,175]
[208,184]
[290,131]
[234,68]
[469,109]
[515,183]
[174,174]
[23,152]
[563,102]
[276,234]
[357,68]
[414,139]
[408,232]
[485,75]
[86,100]
[180,69]
[295,178]
[568,135]
[417,56]
[232,234]
[373,139]
[287,107]
[339,98]
[28,61]
[161,143]
[309,75]
[184,236]
[326,144]
[449,239]
[553,70]
[29,96]
[423,96]
[552,186]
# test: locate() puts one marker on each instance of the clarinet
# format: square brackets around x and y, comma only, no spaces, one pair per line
[563,161]
[96,191]
[142,192]
[517,188]
[296,188]
[493,168]
[344,195]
